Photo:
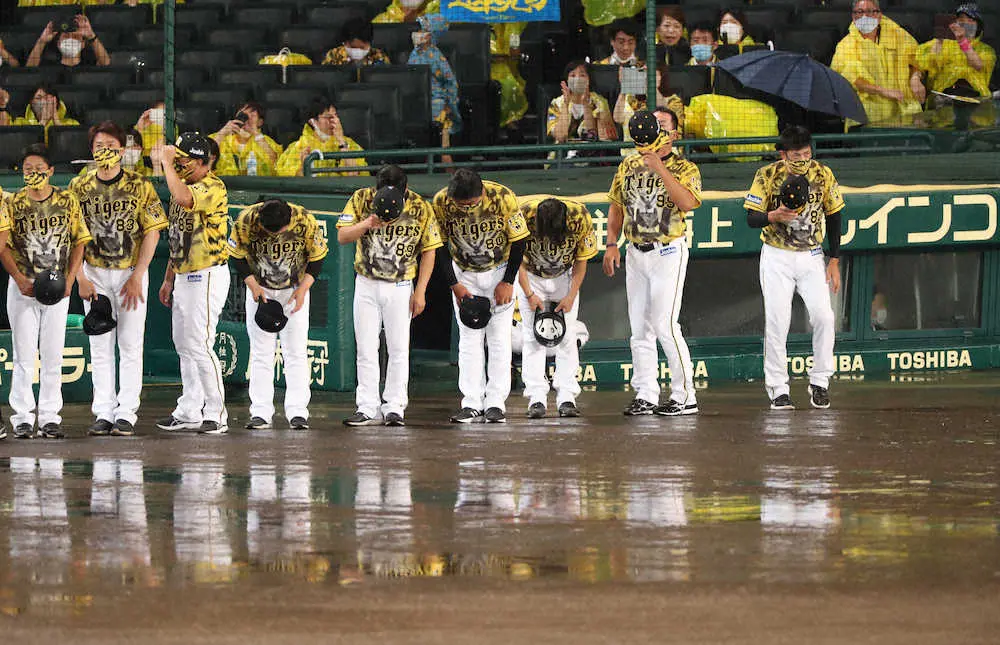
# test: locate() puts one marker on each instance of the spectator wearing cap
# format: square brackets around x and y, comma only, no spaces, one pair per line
[407,10]
[880,59]
[444,85]
[243,148]
[579,113]
[962,66]
[7,58]
[624,36]
[732,24]
[704,40]
[356,47]
[323,133]
[45,109]
[629,104]
[672,47]
[75,44]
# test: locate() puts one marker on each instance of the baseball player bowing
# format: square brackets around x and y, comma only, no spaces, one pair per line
[650,196]
[485,232]
[395,230]
[555,263]
[277,250]
[42,256]
[196,282]
[125,216]
[796,202]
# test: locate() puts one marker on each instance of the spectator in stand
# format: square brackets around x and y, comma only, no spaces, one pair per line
[323,133]
[7,58]
[4,102]
[150,127]
[357,46]
[579,113]
[672,47]
[45,109]
[444,85]
[880,59]
[243,148]
[963,66]
[733,28]
[624,35]
[407,10]
[505,50]
[704,40]
[629,104]
[81,46]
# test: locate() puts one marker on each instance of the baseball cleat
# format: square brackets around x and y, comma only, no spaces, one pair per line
[257,423]
[22,431]
[495,415]
[3,430]
[50,431]
[674,409]
[299,423]
[467,415]
[123,428]
[359,418]
[394,420]
[819,397]
[782,402]
[639,407]
[100,428]
[536,410]
[568,409]
[173,423]
[213,427]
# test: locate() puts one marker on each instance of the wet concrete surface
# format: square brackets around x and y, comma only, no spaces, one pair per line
[874,521]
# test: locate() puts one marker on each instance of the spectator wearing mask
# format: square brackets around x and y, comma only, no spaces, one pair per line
[880,59]
[7,58]
[45,110]
[407,10]
[243,148]
[624,35]
[672,47]
[357,47]
[704,40]
[444,85]
[323,133]
[629,104]
[732,28]
[963,66]
[4,102]
[75,44]
[579,113]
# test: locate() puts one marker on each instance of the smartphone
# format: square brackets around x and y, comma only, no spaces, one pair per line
[634,81]
[942,26]
[241,118]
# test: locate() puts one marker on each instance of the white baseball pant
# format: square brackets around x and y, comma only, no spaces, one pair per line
[378,304]
[294,357]
[782,273]
[36,330]
[199,297]
[128,335]
[533,354]
[654,285]
[484,385]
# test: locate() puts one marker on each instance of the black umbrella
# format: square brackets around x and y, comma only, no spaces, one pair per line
[799,79]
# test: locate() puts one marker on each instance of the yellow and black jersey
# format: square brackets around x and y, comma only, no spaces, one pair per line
[548,259]
[198,235]
[479,238]
[44,233]
[4,210]
[278,260]
[805,232]
[391,252]
[118,214]
[650,213]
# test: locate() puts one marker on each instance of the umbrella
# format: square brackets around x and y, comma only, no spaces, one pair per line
[799,79]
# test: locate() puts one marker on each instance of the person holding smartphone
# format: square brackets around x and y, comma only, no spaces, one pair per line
[322,133]
[244,149]
[957,61]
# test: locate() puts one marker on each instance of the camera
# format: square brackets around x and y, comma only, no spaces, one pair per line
[64,24]
[241,118]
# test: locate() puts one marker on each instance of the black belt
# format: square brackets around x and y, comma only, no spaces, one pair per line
[645,248]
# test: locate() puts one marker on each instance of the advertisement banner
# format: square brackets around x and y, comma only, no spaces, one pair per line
[500,10]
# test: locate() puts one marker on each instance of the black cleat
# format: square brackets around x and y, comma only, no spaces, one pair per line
[100,428]
[639,407]
[674,409]
[257,423]
[23,431]
[495,415]
[213,427]
[359,418]
[819,397]
[536,410]
[467,415]
[299,423]
[173,423]
[782,402]
[123,428]
[568,409]
[3,430]
[394,420]
[50,431]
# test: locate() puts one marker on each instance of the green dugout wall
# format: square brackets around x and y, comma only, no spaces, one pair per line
[920,273]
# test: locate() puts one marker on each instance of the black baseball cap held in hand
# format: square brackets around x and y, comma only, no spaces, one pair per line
[270,316]
[474,311]
[388,203]
[50,287]
[100,319]
[643,127]
[549,327]
[794,192]
[192,144]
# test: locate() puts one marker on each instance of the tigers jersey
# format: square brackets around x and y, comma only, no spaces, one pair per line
[118,214]
[547,259]
[43,234]
[198,235]
[277,260]
[650,213]
[805,232]
[390,253]
[480,239]
[4,210]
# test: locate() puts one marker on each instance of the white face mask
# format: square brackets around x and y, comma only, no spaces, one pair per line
[131,157]
[158,115]
[419,38]
[577,84]
[70,47]
[866,24]
[356,54]
[410,4]
[731,33]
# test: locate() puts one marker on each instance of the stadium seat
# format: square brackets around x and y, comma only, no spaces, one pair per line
[239,38]
[200,118]
[329,77]
[185,78]
[207,58]
[312,41]
[394,39]
[79,98]
[283,122]
[414,83]
[690,80]
[920,24]
[298,96]
[150,37]
[66,144]
[386,109]
[255,77]
[545,93]
[198,18]
[822,18]
[765,22]
[722,52]
[108,78]
[467,47]
[151,58]
[139,96]
[357,120]
[269,16]
[31,77]
[700,12]
[333,17]
[118,18]
[604,81]
[15,139]
[126,117]
[37,17]
[818,43]
[229,99]
[19,41]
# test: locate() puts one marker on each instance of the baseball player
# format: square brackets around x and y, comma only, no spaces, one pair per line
[47,233]
[486,234]
[791,260]
[125,216]
[650,196]
[4,235]
[278,250]
[196,282]
[555,263]
[395,229]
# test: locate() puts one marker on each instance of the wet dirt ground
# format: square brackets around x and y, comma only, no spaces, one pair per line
[873,522]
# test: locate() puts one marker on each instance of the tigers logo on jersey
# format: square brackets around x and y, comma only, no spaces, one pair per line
[480,239]
[197,235]
[548,259]
[650,214]
[118,215]
[278,260]
[44,233]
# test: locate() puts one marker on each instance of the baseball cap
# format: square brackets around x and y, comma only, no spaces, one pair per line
[192,144]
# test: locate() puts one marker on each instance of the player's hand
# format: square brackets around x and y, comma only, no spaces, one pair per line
[166,291]
[503,294]
[48,33]
[417,303]
[167,156]
[653,160]
[566,303]
[87,290]
[612,260]
[298,296]
[132,292]
[535,302]
[69,287]
[374,221]
[25,286]
[833,274]
[257,293]
[782,214]
[461,292]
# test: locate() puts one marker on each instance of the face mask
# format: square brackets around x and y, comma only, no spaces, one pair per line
[577,84]
[662,139]
[419,38]
[70,47]
[410,4]
[38,107]
[731,32]
[701,53]
[183,172]
[970,30]
[131,157]
[36,180]
[158,115]
[107,157]
[798,167]
[866,24]
[356,54]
